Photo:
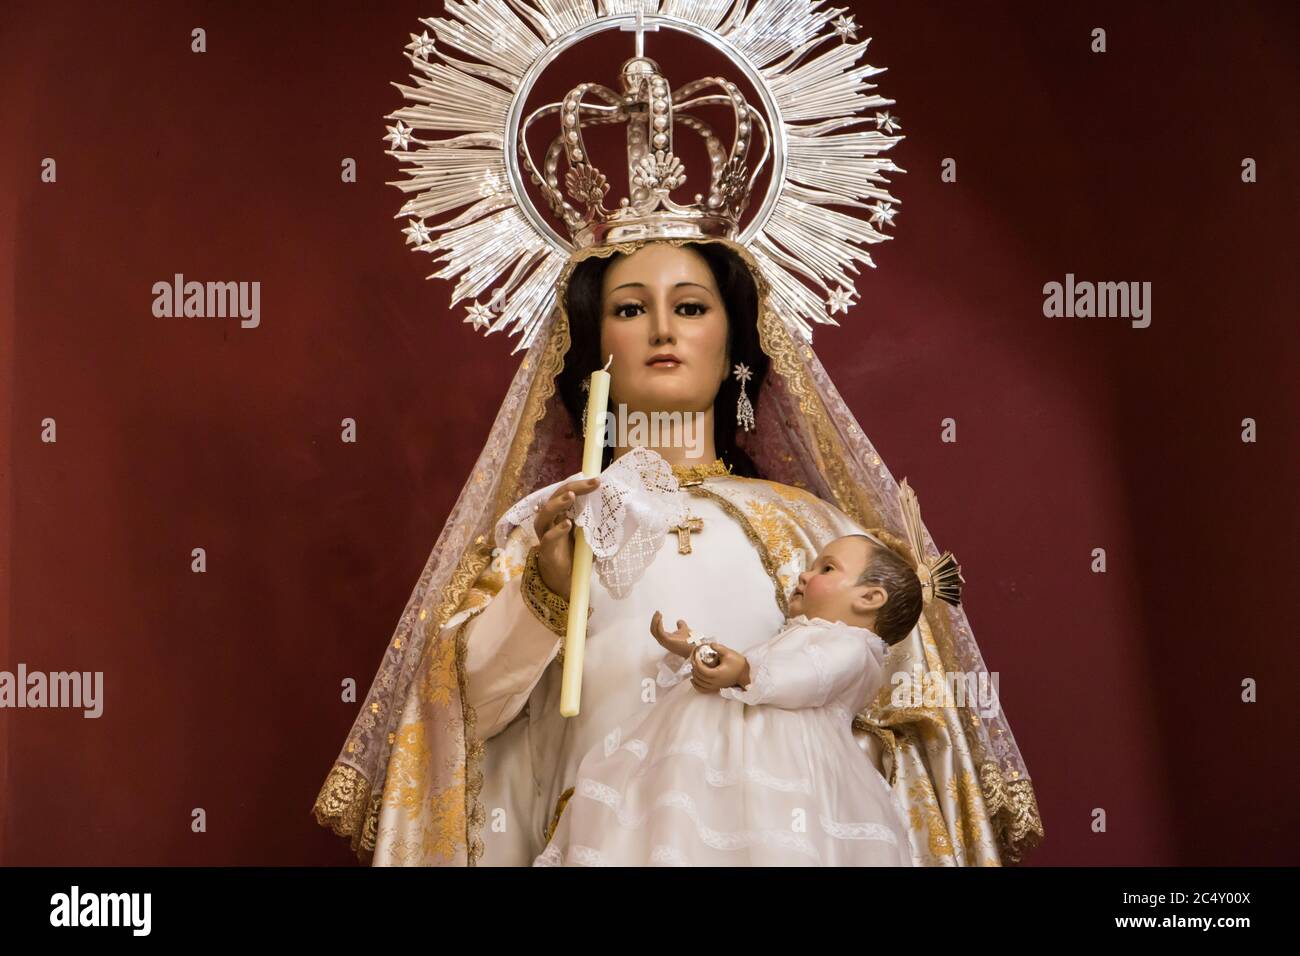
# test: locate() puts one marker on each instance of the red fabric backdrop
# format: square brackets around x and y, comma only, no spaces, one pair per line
[222,689]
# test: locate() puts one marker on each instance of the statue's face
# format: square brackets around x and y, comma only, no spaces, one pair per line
[663,300]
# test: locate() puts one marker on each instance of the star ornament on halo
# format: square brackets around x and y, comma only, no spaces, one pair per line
[422,45]
[839,301]
[887,123]
[480,315]
[846,28]
[399,135]
[882,214]
[417,233]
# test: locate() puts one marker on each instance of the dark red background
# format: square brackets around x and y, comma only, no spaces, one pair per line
[222,689]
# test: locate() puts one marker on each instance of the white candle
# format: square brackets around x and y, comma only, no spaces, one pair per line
[575,639]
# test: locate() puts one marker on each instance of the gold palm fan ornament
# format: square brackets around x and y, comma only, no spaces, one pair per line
[410,785]
[940,577]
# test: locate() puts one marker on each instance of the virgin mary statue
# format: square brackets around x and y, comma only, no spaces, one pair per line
[460,755]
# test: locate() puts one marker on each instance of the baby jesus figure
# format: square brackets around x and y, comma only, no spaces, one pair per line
[752,760]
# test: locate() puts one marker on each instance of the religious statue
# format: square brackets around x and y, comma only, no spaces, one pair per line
[702,318]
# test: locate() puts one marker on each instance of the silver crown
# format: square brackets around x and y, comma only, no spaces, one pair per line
[651,111]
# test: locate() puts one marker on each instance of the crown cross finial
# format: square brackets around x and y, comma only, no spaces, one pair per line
[640,28]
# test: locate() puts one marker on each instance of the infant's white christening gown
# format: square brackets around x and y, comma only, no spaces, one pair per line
[769,775]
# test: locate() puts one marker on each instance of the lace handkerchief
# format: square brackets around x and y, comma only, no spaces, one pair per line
[625,519]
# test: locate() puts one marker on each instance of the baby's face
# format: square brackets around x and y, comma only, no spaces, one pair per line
[827,589]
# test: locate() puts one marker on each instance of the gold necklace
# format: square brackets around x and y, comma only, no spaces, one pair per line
[688,475]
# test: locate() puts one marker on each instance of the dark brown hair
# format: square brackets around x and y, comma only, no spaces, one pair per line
[585,307]
[889,569]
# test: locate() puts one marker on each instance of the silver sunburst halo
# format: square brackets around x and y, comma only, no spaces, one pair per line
[473,77]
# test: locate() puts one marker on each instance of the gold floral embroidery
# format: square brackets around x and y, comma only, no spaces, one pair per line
[405,786]
[341,804]
[488,585]
[439,675]
[446,828]
[966,796]
[442,830]
[925,814]
[1013,810]
[440,825]
[773,525]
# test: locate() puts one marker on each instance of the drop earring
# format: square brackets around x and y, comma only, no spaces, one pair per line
[744,410]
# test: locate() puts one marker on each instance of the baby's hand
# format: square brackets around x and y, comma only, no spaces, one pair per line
[731,669]
[677,642]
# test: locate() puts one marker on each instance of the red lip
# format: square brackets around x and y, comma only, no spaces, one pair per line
[663,357]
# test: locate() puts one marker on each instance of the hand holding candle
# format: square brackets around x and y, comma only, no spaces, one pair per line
[575,639]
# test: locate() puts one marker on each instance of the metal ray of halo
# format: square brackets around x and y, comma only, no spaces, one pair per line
[473,78]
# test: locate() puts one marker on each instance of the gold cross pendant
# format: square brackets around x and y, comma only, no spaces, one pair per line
[684,533]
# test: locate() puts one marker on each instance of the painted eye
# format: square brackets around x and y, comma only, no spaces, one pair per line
[699,306]
[619,309]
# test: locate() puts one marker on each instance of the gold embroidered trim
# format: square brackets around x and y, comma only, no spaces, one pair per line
[886,737]
[474,813]
[688,475]
[768,564]
[1013,811]
[342,803]
[548,607]
[555,817]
